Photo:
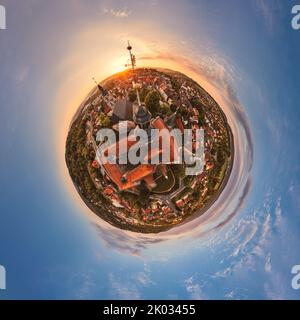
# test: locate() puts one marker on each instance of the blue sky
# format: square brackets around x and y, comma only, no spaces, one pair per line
[48,54]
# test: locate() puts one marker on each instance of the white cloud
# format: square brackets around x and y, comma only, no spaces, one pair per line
[143,278]
[276,288]
[251,227]
[124,13]
[251,237]
[268,266]
[123,290]
[278,213]
[194,289]
[230,295]
[269,10]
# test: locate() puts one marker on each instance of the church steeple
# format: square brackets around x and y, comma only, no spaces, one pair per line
[142,117]
[100,88]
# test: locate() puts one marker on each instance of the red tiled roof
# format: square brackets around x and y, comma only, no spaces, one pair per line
[179,124]
[159,123]
[120,145]
[144,171]
[113,172]
[108,191]
[132,177]
[106,109]
[179,203]
[139,173]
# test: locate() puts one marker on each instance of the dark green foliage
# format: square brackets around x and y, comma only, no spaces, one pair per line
[152,102]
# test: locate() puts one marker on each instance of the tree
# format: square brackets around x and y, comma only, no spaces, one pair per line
[132,96]
[152,101]
[196,194]
[144,195]
[175,84]
[165,109]
[196,103]
[173,107]
[183,112]
[104,120]
[144,93]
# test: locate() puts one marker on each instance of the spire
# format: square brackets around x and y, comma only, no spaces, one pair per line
[100,88]
[133,65]
[132,56]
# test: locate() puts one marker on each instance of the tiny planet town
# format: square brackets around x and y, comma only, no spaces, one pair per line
[150,196]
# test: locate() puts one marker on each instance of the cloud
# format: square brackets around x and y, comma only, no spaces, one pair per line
[266,255]
[87,287]
[250,228]
[230,295]
[249,239]
[278,213]
[123,241]
[246,262]
[276,288]
[194,289]
[269,10]
[124,13]
[122,290]
[143,278]
[268,265]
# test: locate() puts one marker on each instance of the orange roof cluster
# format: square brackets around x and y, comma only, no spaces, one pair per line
[179,124]
[139,173]
[159,123]
[132,178]
[120,145]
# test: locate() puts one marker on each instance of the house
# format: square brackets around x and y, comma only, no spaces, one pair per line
[95,164]
[107,109]
[180,203]
[129,179]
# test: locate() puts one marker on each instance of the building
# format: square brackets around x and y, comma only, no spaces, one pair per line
[128,178]
[123,110]
[142,117]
